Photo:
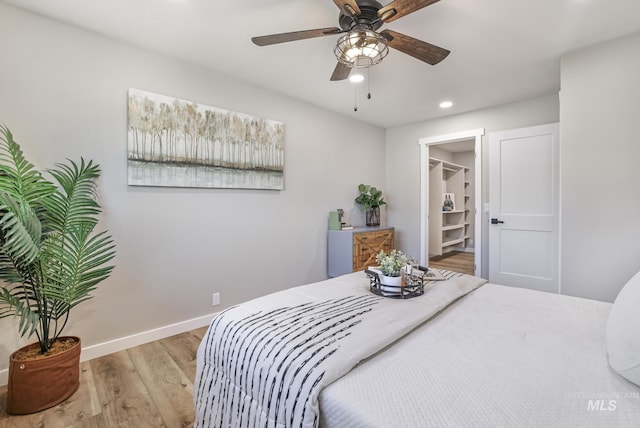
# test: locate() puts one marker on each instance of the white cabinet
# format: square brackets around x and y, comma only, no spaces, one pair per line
[448,229]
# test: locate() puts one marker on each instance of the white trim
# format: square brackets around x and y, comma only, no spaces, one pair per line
[559,212]
[117,345]
[450,138]
[424,144]
[478,206]
[424,204]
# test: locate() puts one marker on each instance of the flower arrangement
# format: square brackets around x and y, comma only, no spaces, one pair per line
[391,264]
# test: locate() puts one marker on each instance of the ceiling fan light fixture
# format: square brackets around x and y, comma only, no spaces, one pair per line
[361,48]
[356,78]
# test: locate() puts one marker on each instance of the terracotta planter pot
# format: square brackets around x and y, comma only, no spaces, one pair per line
[38,384]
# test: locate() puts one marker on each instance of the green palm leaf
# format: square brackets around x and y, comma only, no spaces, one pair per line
[78,267]
[18,177]
[17,302]
[76,205]
[20,229]
[8,270]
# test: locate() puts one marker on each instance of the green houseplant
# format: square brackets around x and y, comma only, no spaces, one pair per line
[391,267]
[370,199]
[50,258]
[391,264]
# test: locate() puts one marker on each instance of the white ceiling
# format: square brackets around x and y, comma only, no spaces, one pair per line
[501,50]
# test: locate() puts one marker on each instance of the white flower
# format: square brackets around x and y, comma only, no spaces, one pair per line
[392,263]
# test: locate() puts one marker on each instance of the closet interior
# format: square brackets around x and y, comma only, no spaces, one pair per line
[452,206]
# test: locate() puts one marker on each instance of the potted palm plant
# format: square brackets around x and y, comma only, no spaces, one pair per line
[370,199]
[50,261]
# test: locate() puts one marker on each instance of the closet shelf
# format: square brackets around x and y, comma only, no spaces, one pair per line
[453,227]
[452,242]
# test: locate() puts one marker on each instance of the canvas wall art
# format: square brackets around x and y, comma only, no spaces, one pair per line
[178,143]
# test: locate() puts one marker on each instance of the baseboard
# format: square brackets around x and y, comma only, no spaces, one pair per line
[462,250]
[117,345]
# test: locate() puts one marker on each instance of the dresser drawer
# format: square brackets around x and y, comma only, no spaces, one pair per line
[367,245]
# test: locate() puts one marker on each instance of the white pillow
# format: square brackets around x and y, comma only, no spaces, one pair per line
[623,331]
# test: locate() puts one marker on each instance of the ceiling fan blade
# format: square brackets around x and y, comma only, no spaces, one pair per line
[296,35]
[431,54]
[348,7]
[341,72]
[399,8]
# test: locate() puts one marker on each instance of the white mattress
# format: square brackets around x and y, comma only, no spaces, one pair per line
[500,357]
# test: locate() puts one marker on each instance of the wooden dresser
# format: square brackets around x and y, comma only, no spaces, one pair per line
[356,249]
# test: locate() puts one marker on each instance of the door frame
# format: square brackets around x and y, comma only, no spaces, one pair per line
[424,144]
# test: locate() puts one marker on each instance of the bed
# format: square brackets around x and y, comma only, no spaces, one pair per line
[466,353]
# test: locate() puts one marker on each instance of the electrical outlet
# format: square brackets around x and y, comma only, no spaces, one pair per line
[216,299]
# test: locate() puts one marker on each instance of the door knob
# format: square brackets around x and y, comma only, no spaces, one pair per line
[496,221]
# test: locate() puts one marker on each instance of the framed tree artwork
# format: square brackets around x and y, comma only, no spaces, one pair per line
[178,143]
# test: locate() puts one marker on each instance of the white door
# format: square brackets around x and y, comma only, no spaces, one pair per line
[524,213]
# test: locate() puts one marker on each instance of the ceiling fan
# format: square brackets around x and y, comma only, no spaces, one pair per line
[362,45]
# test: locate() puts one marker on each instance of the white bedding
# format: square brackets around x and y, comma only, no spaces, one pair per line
[263,363]
[499,357]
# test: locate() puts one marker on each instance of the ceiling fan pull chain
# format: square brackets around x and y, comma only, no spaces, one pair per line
[355,98]
[368,83]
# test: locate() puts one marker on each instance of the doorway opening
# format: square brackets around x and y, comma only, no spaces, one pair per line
[450,201]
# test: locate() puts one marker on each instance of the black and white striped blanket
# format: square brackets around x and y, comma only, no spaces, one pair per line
[264,363]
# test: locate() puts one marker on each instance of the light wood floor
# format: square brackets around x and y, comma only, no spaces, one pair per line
[150,385]
[456,261]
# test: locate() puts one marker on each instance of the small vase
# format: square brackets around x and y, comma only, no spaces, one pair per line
[373,216]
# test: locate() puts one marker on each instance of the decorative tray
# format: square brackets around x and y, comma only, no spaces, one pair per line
[413,284]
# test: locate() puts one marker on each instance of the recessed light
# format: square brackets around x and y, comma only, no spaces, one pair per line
[356,78]
[446,104]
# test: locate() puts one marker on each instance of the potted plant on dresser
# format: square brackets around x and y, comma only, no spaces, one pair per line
[50,261]
[370,199]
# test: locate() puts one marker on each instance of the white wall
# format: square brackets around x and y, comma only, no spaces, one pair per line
[403,161]
[600,158]
[439,153]
[64,95]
